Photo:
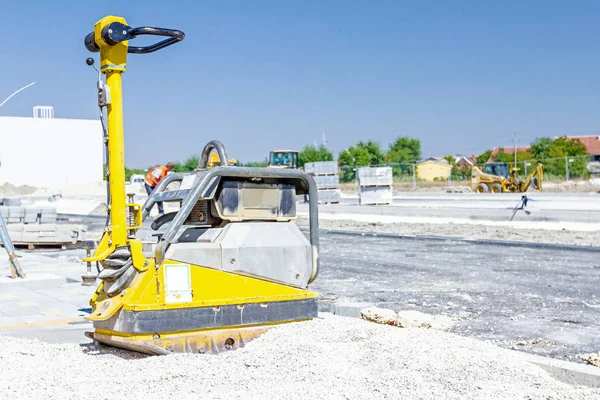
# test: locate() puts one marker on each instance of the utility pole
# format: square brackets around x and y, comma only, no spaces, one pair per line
[567,167]
[324,140]
[515,147]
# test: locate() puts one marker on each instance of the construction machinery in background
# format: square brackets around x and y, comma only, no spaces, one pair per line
[283,159]
[220,271]
[498,177]
[214,160]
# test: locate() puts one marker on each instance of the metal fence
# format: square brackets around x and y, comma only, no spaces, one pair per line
[555,169]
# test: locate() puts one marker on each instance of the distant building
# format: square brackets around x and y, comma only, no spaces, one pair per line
[591,143]
[433,170]
[465,162]
[50,152]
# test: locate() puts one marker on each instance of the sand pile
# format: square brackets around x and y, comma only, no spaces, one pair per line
[8,189]
[331,358]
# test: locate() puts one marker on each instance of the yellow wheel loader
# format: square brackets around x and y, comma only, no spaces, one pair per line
[220,271]
[499,177]
[283,159]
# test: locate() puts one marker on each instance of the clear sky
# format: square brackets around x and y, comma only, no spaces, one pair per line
[461,76]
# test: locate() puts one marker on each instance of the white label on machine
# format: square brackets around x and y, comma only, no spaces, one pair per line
[187,182]
[178,286]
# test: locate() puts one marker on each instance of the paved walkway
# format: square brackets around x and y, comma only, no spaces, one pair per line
[50,295]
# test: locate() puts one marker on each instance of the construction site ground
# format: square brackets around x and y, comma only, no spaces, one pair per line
[536,299]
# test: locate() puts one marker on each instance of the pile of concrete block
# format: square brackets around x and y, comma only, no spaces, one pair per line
[325,174]
[37,226]
[375,185]
[46,234]
[15,214]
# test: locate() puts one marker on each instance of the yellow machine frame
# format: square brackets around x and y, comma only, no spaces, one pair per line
[212,289]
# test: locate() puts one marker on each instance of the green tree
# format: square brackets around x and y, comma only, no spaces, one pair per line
[484,157]
[190,164]
[565,150]
[569,147]
[553,152]
[133,171]
[541,147]
[501,156]
[354,156]
[313,154]
[255,164]
[404,150]
[375,154]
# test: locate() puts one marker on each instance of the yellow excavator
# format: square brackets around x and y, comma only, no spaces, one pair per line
[220,271]
[498,177]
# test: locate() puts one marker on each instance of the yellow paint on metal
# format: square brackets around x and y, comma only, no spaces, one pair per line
[96,294]
[210,288]
[111,57]
[140,262]
[116,160]
[102,251]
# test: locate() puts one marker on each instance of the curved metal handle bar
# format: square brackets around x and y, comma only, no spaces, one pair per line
[173,35]
[150,201]
[117,32]
[210,146]
[245,172]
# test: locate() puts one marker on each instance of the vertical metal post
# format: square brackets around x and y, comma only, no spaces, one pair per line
[89,278]
[116,160]
[567,167]
[14,266]
[414,176]
[515,147]
[525,167]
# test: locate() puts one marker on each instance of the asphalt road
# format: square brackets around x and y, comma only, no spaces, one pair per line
[537,300]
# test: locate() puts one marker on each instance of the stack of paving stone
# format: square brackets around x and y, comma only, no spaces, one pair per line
[36,226]
[325,174]
[14,214]
[374,185]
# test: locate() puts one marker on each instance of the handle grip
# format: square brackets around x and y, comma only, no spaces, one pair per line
[117,32]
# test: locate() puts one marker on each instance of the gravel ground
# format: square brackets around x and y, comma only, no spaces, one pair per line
[330,358]
[542,301]
[468,231]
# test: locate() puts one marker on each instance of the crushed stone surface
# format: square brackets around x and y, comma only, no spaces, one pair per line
[329,358]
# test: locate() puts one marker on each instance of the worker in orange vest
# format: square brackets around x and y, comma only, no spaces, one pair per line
[154,176]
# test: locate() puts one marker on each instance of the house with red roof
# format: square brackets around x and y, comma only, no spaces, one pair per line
[591,143]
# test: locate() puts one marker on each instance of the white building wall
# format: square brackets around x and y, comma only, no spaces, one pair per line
[49,152]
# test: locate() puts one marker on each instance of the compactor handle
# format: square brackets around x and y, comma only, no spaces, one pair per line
[117,32]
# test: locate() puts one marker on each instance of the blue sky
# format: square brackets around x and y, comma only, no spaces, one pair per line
[461,76]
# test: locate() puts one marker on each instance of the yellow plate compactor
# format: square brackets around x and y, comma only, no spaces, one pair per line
[229,264]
